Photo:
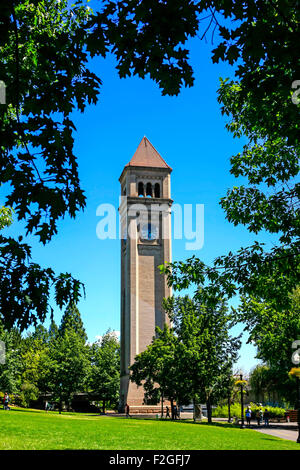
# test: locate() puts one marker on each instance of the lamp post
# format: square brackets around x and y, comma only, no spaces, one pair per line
[229,403]
[298,407]
[242,403]
[229,384]
[295,372]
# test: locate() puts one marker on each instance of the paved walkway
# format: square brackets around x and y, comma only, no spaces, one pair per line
[289,434]
[283,430]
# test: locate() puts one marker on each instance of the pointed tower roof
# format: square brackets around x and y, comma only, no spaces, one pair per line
[147,156]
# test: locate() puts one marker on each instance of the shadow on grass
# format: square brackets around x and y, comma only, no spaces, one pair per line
[221,424]
[41,412]
[56,413]
[24,410]
[178,421]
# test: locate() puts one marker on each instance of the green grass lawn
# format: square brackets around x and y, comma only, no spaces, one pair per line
[23,429]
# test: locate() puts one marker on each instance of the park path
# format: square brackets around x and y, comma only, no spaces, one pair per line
[289,434]
[287,431]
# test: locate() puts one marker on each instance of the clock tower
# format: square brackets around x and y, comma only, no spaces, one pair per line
[145,219]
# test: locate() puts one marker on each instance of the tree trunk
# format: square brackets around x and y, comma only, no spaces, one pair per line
[194,413]
[172,408]
[103,407]
[208,405]
[162,405]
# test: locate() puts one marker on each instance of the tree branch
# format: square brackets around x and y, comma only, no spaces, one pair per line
[17,59]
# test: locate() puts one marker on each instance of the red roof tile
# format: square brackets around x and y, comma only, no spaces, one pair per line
[146,155]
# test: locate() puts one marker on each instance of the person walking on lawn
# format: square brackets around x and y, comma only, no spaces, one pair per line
[6,401]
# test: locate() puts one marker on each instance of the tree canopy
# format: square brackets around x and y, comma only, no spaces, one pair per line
[58,363]
[45,49]
[193,360]
[258,38]
[273,333]
[105,370]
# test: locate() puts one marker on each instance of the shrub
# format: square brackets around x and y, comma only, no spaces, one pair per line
[275,412]
[222,411]
[235,410]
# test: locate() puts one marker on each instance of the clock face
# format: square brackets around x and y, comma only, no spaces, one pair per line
[149,232]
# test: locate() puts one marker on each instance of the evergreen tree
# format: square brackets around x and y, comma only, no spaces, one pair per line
[41,334]
[71,320]
[53,330]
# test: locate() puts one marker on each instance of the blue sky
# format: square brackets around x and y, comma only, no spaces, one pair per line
[189,132]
